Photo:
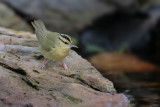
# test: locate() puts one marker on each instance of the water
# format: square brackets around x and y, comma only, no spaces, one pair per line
[142,88]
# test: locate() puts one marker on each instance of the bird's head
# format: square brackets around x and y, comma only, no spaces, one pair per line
[66,40]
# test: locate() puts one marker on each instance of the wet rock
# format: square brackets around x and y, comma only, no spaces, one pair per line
[10,19]
[138,79]
[23,83]
[113,61]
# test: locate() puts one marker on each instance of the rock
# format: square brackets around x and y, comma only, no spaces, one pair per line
[23,83]
[62,16]
[136,5]
[105,102]
[130,75]
[72,15]
[143,5]
[10,19]
[113,61]
[121,3]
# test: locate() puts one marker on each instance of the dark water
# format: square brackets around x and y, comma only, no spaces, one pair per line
[142,89]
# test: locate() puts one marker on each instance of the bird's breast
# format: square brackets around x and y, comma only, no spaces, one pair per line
[56,54]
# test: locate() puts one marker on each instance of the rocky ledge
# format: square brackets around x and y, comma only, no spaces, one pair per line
[23,83]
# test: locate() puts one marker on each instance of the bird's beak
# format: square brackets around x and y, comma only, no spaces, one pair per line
[73,46]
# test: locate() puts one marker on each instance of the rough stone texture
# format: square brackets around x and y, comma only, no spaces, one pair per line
[10,19]
[23,83]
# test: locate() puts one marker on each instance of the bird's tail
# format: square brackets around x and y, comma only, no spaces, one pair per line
[38,24]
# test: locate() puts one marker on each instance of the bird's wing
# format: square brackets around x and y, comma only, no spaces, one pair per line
[46,38]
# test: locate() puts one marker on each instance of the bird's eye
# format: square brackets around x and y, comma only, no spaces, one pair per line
[65,42]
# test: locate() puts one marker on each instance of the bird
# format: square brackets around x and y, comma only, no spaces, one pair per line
[53,45]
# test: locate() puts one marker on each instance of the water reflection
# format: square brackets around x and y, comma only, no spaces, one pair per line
[142,89]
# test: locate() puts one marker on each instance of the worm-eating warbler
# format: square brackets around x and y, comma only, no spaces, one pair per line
[52,45]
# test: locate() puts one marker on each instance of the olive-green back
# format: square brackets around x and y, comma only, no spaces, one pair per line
[46,38]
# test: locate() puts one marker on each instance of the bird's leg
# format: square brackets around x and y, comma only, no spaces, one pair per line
[64,65]
[4,42]
[44,64]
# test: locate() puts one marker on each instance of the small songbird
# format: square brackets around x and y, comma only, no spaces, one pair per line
[52,45]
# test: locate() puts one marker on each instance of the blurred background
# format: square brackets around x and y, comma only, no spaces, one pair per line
[121,38]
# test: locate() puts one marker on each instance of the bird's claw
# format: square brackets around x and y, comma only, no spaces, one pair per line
[44,64]
[64,66]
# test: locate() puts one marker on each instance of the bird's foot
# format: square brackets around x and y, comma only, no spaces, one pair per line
[4,42]
[44,64]
[64,66]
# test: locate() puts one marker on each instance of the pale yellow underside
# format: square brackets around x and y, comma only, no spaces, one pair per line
[56,54]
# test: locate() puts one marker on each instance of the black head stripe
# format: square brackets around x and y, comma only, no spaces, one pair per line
[66,37]
[62,40]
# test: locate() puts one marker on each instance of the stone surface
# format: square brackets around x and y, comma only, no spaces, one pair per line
[73,15]
[113,61]
[23,83]
[106,102]
[9,19]
[64,15]
[133,4]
